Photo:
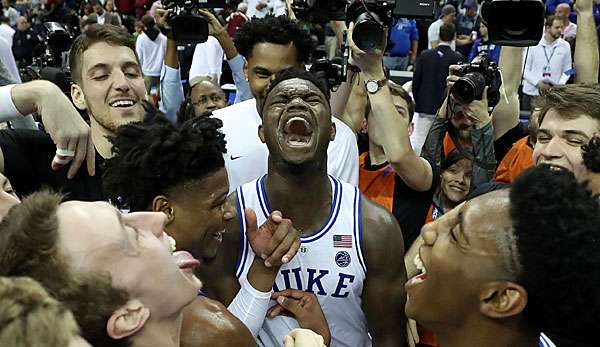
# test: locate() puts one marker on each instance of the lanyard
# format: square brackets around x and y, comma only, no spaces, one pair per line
[551,55]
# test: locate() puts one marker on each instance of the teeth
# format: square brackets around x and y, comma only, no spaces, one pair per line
[419,264]
[122,103]
[173,243]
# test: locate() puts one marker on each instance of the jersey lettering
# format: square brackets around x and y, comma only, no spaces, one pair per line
[342,285]
[312,280]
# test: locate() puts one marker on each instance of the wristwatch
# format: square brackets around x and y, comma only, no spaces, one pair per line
[373,86]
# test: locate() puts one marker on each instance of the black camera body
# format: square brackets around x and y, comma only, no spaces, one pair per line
[327,9]
[474,77]
[526,24]
[370,18]
[189,27]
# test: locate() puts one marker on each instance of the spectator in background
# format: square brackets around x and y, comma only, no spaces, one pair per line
[258,8]
[405,44]
[10,12]
[8,61]
[433,33]
[102,16]
[151,46]
[6,32]
[138,29]
[466,24]
[24,42]
[547,63]
[429,81]
[483,44]
[126,7]
[569,29]
[237,19]
[552,4]
[109,6]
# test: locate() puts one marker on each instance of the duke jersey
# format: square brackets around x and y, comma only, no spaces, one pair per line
[329,264]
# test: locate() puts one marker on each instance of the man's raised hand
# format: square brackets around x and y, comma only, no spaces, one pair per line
[275,241]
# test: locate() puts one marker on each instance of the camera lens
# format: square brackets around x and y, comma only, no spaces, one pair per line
[468,88]
[367,33]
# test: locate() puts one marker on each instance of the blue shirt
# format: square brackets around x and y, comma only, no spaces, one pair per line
[402,33]
[491,49]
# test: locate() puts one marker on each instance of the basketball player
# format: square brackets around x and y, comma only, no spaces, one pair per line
[344,236]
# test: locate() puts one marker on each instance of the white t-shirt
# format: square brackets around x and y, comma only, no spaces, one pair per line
[7,33]
[7,58]
[151,53]
[253,12]
[433,34]
[247,157]
[208,59]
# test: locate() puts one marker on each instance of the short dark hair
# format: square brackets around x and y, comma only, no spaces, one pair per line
[150,160]
[454,156]
[28,247]
[555,221]
[397,90]
[95,33]
[278,30]
[550,20]
[591,155]
[447,32]
[148,21]
[4,19]
[570,101]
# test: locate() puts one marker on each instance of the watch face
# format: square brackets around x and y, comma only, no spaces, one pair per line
[372,86]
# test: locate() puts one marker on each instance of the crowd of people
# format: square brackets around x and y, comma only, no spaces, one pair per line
[167,199]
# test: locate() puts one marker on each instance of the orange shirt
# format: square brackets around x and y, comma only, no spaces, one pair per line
[377,185]
[517,160]
[449,145]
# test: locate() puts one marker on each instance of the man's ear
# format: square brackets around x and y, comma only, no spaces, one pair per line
[333,131]
[162,204]
[127,320]
[261,133]
[502,299]
[246,70]
[411,128]
[78,97]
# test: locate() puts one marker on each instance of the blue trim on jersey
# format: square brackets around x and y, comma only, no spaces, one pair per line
[260,192]
[358,227]
[333,213]
[241,262]
[545,341]
[336,203]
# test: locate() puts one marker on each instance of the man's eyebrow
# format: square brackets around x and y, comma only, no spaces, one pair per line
[99,66]
[575,132]
[131,64]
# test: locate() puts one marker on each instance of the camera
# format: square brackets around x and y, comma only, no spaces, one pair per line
[370,18]
[189,27]
[474,78]
[333,71]
[329,9]
[526,24]
[50,60]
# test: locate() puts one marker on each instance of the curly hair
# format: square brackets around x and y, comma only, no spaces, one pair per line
[556,223]
[591,155]
[150,160]
[297,72]
[278,30]
[28,247]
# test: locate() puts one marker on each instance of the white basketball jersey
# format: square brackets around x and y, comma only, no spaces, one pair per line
[329,264]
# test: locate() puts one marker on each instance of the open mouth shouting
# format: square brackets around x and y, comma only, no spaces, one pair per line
[421,275]
[296,130]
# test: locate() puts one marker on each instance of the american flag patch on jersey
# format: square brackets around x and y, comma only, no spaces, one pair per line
[344,241]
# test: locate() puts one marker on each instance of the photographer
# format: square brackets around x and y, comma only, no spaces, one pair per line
[171,92]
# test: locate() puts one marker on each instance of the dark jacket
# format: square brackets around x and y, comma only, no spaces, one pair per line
[24,43]
[429,80]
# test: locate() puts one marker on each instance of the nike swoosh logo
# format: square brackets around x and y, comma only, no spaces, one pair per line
[234,158]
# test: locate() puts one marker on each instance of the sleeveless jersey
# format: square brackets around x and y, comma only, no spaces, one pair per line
[329,264]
